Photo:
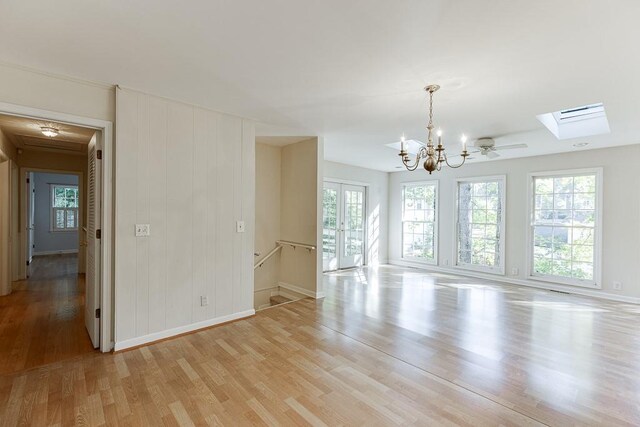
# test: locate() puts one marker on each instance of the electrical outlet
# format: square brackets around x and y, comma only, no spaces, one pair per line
[240,226]
[515,271]
[204,301]
[143,230]
[617,286]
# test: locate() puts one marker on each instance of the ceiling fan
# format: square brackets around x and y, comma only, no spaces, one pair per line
[487,147]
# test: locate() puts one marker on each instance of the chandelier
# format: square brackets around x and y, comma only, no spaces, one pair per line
[434,155]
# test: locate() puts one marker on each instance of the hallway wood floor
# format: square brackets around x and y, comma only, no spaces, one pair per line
[386,346]
[42,320]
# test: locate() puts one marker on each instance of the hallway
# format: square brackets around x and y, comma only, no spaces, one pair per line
[42,321]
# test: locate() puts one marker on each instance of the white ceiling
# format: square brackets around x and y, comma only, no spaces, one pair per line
[353,71]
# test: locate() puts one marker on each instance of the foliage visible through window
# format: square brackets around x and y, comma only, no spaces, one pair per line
[419,221]
[329,226]
[64,207]
[354,223]
[480,231]
[564,219]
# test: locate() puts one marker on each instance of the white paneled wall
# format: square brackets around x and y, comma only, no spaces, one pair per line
[189,173]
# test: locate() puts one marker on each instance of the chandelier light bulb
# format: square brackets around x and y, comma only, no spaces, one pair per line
[439,132]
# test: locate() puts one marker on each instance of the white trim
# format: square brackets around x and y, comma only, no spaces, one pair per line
[303,291]
[596,283]
[156,336]
[62,252]
[106,131]
[524,282]
[346,181]
[500,270]
[436,222]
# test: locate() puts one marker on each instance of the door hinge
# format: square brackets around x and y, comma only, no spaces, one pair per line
[27,180]
[98,234]
[99,154]
[97,313]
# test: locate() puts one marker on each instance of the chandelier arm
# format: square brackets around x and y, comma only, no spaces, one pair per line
[411,168]
[464,159]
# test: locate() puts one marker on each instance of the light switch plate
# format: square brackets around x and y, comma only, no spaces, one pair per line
[143,230]
[240,226]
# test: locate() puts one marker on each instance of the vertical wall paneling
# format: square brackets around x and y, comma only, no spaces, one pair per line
[142,217]
[212,213]
[225,227]
[125,205]
[157,214]
[199,213]
[179,214]
[189,173]
[248,212]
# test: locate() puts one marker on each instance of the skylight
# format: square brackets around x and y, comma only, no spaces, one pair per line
[411,145]
[577,122]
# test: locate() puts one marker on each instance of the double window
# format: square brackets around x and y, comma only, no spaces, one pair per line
[64,207]
[419,221]
[564,230]
[480,224]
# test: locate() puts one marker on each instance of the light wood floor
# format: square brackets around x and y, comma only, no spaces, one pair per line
[386,346]
[42,320]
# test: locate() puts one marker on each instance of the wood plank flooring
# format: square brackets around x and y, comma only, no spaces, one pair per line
[387,346]
[42,320]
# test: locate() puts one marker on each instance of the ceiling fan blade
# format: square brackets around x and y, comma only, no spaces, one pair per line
[492,154]
[509,147]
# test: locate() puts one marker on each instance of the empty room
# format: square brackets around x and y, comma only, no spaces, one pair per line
[319,213]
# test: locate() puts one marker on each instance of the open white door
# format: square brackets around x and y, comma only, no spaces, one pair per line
[94,211]
[31,219]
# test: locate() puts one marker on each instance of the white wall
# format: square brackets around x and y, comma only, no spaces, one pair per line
[301,190]
[621,225]
[377,184]
[189,173]
[268,182]
[45,91]
[45,240]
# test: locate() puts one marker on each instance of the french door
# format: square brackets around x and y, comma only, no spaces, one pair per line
[343,219]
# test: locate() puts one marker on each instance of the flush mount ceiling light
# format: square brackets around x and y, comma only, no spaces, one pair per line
[434,155]
[49,131]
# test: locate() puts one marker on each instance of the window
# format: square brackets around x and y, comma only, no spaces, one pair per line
[64,207]
[480,224]
[564,226]
[419,216]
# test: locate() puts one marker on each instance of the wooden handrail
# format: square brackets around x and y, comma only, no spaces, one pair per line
[269,255]
[296,245]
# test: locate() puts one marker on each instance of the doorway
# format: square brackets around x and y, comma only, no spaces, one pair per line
[83,273]
[343,219]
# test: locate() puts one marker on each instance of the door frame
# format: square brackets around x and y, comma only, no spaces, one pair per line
[339,181]
[105,128]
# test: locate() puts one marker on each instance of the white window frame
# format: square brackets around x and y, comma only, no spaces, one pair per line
[53,227]
[500,269]
[596,283]
[436,223]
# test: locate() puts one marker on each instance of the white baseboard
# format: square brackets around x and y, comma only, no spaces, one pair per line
[303,291]
[62,252]
[521,282]
[156,336]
